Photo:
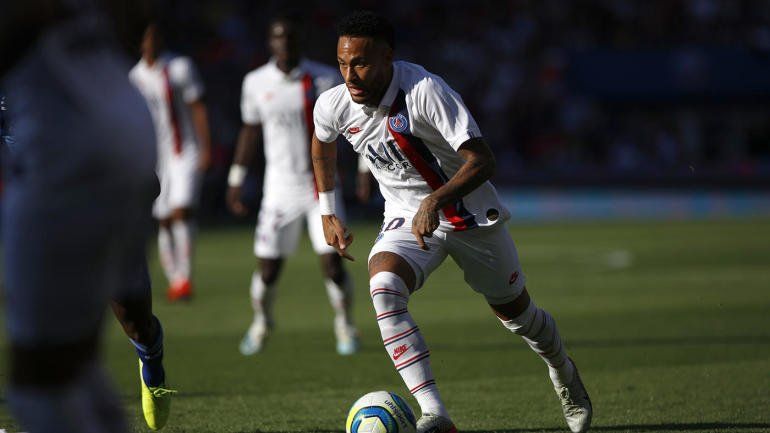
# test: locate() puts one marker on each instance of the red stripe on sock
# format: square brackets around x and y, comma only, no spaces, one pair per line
[422,385]
[395,337]
[391,313]
[386,291]
[413,359]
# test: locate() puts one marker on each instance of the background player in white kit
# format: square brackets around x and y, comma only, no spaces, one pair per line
[76,207]
[277,109]
[174,94]
[426,152]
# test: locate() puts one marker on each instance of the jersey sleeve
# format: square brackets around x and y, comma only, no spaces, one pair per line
[443,109]
[186,77]
[249,106]
[326,128]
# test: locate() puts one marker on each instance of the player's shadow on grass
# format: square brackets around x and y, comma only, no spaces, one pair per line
[639,428]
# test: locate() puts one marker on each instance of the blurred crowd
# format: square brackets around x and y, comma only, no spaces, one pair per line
[512,62]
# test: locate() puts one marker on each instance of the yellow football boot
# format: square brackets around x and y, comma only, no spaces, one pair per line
[156,403]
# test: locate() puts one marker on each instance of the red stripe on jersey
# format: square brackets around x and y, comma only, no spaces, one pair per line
[308,94]
[430,176]
[172,112]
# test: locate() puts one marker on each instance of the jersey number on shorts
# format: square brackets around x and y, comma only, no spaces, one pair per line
[392,225]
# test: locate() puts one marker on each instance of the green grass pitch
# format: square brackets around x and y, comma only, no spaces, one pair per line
[668,322]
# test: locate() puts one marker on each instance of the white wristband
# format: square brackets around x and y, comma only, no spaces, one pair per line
[237,175]
[326,202]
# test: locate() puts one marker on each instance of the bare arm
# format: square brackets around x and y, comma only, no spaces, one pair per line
[479,167]
[325,170]
[363,181]
[248,141]
[200,120]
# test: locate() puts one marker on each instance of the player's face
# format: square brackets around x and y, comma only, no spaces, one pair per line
[366,66]
[283,40]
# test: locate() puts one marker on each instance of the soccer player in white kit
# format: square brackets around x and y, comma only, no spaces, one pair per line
[277,107]
[174,94]
[75,207]
[426,151]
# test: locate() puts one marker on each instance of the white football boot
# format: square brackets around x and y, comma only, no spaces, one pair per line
[575,404]
[254,339]
[347,339]
[430,423]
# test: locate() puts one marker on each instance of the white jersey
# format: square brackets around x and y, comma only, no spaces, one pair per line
[410,143]
[283,104]
[169,85]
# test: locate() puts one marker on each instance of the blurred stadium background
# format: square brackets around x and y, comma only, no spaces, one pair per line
[598,96]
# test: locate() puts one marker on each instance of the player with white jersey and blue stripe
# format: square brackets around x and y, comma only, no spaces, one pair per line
[433,167]
[174,94]
[277,111]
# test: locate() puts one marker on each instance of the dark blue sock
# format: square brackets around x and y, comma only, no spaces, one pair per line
[152,359]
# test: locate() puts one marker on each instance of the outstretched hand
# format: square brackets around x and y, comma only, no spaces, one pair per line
[337,235]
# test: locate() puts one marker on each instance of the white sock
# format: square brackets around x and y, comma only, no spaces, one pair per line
[166,253]
[403,341]
[262,297]
[86,405]
[182,231]
[341,300]
[538,329]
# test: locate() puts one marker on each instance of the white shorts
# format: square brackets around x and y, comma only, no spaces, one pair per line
[486,255]
[280,225]
[179,179]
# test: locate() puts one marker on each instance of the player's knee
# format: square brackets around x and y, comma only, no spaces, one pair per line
[389,292]
[270,269]
[530,320]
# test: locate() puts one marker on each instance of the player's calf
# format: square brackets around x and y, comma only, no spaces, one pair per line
[403,341]
[538,329]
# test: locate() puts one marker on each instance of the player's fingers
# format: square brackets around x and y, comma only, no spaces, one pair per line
[345,255]
[342,247]
[347,238]
[240,208]
[420,240]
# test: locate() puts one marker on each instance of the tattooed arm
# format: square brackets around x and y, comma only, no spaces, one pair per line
[479,166]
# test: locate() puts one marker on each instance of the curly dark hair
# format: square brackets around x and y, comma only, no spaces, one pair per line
[367,24]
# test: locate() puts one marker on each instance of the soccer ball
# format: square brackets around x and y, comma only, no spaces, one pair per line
[380,412]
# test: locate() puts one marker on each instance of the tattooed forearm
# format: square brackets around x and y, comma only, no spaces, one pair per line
[478,168]
[324,157]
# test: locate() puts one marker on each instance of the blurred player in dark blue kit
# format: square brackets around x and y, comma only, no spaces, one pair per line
[76,212]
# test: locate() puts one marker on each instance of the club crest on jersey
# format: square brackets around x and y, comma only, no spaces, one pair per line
[398,123]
